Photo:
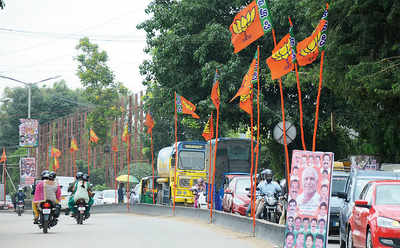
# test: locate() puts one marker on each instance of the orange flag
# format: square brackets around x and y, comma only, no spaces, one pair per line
[74,145]
[124,137]
[308,49]
[249,78]
[215,93]
[250,24]
[93,137]
[281,61]
[185,107]
[208,132]
[3,156]
[149,123]
[246,102]
[55,153]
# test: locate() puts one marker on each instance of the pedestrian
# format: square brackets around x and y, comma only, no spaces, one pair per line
[121,191]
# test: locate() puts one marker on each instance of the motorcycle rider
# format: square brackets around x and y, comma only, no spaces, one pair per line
[85,178]
[71,188]
[80,190]
[20,196]
[266,186]
[46,190]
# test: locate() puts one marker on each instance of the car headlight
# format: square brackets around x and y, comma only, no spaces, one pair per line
[388,223]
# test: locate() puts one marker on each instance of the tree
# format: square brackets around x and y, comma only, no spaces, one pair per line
[188,40]
[100,87]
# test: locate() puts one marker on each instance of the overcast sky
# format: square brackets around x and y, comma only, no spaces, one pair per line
[38,39]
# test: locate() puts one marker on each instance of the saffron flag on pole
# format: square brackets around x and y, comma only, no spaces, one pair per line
[185,107]
[283,57]
[74,145]
[308,49]
[215,93]
[249,24]
[246,102]
[92,136]
[249,79]
[208,132]
[3,156]
[124,136]
[149,123]
[55,153]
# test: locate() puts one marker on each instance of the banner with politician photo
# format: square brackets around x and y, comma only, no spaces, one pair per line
[28,133]
[307,218]
[27,168]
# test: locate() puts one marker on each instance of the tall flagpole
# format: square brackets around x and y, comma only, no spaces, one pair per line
[258,130]
[300,107]
[215,155]
[152,161]
[318,96]
[252,162]
[176,155]
[283,120]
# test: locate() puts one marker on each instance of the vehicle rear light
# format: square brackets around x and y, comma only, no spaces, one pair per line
[46,205]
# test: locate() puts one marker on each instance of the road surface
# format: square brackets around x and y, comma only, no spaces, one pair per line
[121,230]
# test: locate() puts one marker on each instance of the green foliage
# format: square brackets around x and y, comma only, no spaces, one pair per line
[139,170]
[100,87]
[187,40]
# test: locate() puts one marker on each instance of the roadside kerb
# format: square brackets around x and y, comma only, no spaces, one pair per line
[268,231]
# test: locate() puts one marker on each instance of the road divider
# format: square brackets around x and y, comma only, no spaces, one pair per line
[265,230]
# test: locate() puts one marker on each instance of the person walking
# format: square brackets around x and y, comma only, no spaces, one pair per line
[121,191]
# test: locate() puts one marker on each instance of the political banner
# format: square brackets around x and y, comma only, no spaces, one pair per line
[27,170]
[307,219]
[28,133]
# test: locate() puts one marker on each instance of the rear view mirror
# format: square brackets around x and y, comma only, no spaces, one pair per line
[247,189]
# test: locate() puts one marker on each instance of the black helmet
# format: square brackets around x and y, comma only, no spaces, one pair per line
[52,175]
[267,175]
[85,177]
[45,174]
[79,175]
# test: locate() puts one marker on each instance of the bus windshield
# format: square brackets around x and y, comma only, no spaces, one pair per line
[238,151]
[191,160]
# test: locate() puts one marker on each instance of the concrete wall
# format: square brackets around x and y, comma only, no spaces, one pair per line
[271,232]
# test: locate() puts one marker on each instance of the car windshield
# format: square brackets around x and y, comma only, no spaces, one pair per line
[241,185]
[109,194]
[388,194]
[191,160]
[338,184]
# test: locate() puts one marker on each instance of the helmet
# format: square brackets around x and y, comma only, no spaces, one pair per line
[267,175]
[45,174]
[200,180]
[85,177]
[79,175]
[20,188]
[52,175]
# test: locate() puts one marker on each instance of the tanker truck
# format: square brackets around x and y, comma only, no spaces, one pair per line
[191,167]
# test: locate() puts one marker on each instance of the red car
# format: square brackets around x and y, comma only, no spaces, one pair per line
[236,199]
[375,220]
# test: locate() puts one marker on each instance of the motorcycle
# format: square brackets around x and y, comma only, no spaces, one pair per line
[270,209]
[20,207]
[48,214]
[81,206]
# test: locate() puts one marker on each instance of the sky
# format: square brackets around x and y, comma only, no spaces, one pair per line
[38,39]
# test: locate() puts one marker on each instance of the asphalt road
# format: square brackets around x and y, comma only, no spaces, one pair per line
[119,230]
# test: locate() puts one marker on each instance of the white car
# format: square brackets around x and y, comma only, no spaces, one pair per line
[109,196]
[98,198]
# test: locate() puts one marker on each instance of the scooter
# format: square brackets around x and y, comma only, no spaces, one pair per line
[199,199]
[270,211]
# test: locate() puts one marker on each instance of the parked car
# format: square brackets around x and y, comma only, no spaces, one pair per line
[354,185]
[339,179]
[236,197]
[98,197]
[109,196]
[226,180]
[8,205]
[375,219]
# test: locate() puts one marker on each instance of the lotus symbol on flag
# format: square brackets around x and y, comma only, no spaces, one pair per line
[283,53]
[311,46]
[244,22]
